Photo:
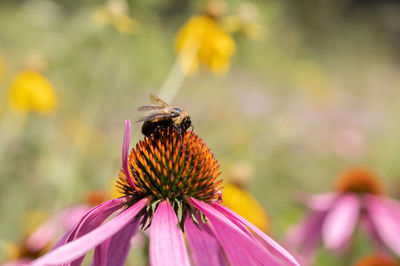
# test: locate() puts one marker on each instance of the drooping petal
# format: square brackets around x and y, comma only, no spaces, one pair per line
[272,245]
[63,239]
[368,225]
[94,217]
[341,221]
[390,204]
[114,251]
[100,256]
[321,202]
[63,221]
[204,248]
[167,245]
[240,248]
[82,245]
[306,235]
[91,220]
[386,223]
[125,152]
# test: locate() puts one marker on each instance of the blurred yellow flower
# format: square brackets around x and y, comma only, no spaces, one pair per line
[203,40]
[245,22]
[243,203]
[115,13]
[30,91]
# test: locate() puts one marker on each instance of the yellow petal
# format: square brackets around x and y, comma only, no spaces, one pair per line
[203,40]
[245,205]
[30,91]
[219,65]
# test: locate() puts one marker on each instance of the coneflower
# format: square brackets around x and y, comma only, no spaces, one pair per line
[35,244]
[358,200]
[62,222]
[171,187]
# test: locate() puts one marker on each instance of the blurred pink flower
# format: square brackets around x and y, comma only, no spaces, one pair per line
[183,195]
[56,226]
[43,237]
[333,217]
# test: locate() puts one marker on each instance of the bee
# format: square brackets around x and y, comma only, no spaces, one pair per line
[162,116]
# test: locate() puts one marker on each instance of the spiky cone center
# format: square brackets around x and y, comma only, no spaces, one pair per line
[171,167]
[359,180]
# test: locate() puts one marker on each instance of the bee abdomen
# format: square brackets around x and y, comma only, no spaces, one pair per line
[150,127]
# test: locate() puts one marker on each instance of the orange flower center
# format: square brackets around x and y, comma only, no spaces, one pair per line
[172,168]
[358,180]
[377,260]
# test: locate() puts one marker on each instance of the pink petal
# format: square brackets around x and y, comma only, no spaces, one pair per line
[341,221]
[49,230]
[272,245]
[240,248]
[114,251]
[203,245]
[125,152]
[82,245]
[92,220]
[167,245]
[100,257]
[386,223]
[62,240]
[390,204]
[368,226]
[306,235]
[321,202]
[94,217]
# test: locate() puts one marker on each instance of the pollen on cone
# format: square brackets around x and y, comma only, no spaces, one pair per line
[171,168]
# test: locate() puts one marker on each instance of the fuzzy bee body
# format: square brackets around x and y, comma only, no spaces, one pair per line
[162,116]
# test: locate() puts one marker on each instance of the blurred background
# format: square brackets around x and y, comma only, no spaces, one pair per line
[312,87]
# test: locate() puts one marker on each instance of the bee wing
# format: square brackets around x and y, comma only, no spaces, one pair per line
[157,101]
[149,108]
[157,116]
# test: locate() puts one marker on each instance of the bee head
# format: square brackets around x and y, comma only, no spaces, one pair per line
[186,123]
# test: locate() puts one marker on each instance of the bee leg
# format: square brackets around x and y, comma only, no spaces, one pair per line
[178,132]
[157,132]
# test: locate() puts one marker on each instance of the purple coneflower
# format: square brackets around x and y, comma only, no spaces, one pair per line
[62,222]
[40,241]
[358,200]
[171,187]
